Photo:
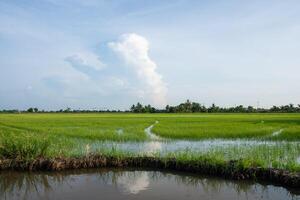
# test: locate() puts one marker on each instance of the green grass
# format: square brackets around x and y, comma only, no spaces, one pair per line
[28,136]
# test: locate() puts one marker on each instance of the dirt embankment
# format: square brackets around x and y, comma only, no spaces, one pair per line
[229,170]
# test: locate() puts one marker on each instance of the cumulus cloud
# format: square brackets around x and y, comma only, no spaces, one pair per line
[134,50]
[85,62]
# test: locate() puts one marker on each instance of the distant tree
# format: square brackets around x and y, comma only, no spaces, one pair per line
[149,109]
[291,108]
[250,109]
[132,109]
[170,109]
[167,108]
[196,107]
[213,108]
[240,109]
[184,107]
[275,109]
[189,106]
[30,110]
[139,108]
[67,110]
[36,109]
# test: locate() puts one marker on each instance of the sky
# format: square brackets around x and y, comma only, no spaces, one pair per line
[100,54]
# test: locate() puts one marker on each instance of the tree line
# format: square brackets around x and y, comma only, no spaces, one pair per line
[194,107]
[185,107]
[67,110]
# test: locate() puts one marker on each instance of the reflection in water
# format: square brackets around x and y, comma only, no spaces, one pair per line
[133,184]
[20,185]
[113,184]
[152,147]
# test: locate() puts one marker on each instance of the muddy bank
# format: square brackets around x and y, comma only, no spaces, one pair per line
[230,170]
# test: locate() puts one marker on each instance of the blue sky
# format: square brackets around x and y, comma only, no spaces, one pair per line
[110,54]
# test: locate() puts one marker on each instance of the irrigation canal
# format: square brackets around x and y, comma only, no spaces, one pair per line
[131,184]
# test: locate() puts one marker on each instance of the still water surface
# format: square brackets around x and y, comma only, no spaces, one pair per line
[132,184]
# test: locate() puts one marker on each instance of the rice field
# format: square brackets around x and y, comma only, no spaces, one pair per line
[256,140]
[230,126]
[174,126]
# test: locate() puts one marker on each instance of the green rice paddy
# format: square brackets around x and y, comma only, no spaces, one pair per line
[28,136]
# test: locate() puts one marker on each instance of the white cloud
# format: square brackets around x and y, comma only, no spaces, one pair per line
[85,60]
[117,82]
[134,49]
